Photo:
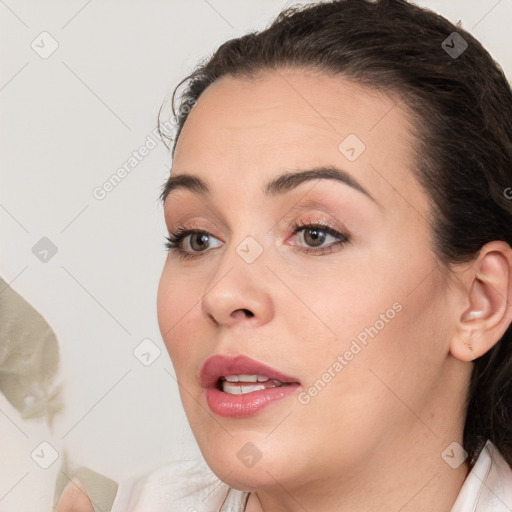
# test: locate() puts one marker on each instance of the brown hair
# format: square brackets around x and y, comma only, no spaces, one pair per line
[462,104]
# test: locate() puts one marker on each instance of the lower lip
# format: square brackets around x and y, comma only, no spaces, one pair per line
[249,404]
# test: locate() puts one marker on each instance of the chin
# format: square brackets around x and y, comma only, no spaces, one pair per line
[245,460]
[243,478]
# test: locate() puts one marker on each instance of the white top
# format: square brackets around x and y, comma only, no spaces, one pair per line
[190,486]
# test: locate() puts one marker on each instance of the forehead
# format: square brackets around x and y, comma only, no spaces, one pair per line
[248,130]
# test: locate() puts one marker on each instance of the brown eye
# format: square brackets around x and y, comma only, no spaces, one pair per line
[190,243]
[199,241]
[314,237]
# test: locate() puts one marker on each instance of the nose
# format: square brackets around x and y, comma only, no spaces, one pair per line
[238,292]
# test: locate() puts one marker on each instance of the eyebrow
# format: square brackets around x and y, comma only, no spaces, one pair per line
[277,186]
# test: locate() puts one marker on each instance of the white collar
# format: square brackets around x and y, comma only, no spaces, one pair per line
[488,487]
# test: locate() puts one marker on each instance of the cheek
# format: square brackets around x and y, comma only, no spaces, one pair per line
[358,383]
[351,305]
[386,324]
[176,304]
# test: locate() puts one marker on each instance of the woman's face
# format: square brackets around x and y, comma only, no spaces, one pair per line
[353,327]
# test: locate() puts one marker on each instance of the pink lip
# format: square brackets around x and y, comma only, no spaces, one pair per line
[240,406]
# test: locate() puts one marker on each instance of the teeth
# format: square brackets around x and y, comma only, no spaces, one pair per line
[233,388]
[240,390]
[246,378]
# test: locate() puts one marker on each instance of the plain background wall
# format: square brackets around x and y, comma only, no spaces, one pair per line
[68,122]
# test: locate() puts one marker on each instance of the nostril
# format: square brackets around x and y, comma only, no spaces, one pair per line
[211,317]
[248,313]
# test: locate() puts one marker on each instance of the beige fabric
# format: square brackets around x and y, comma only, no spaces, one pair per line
[235,501]
[29,358]
[83,490]
[29,361]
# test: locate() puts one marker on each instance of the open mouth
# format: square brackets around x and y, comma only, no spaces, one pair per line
[239,387]
[243,384]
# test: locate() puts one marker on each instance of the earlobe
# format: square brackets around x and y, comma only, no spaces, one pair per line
[462,346]
[489,313]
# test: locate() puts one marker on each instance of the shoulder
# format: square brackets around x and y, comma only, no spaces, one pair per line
[182,486]
[488,486]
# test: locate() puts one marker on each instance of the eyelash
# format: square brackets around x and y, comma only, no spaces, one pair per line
[174,242]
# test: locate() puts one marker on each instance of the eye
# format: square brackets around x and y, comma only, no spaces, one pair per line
[314,236]
[198,242]
[193,242]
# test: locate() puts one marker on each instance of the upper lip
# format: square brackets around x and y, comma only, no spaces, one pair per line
[220,365]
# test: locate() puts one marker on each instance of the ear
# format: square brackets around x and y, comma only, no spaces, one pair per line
[487,310]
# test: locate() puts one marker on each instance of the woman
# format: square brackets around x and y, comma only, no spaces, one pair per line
[336,300]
